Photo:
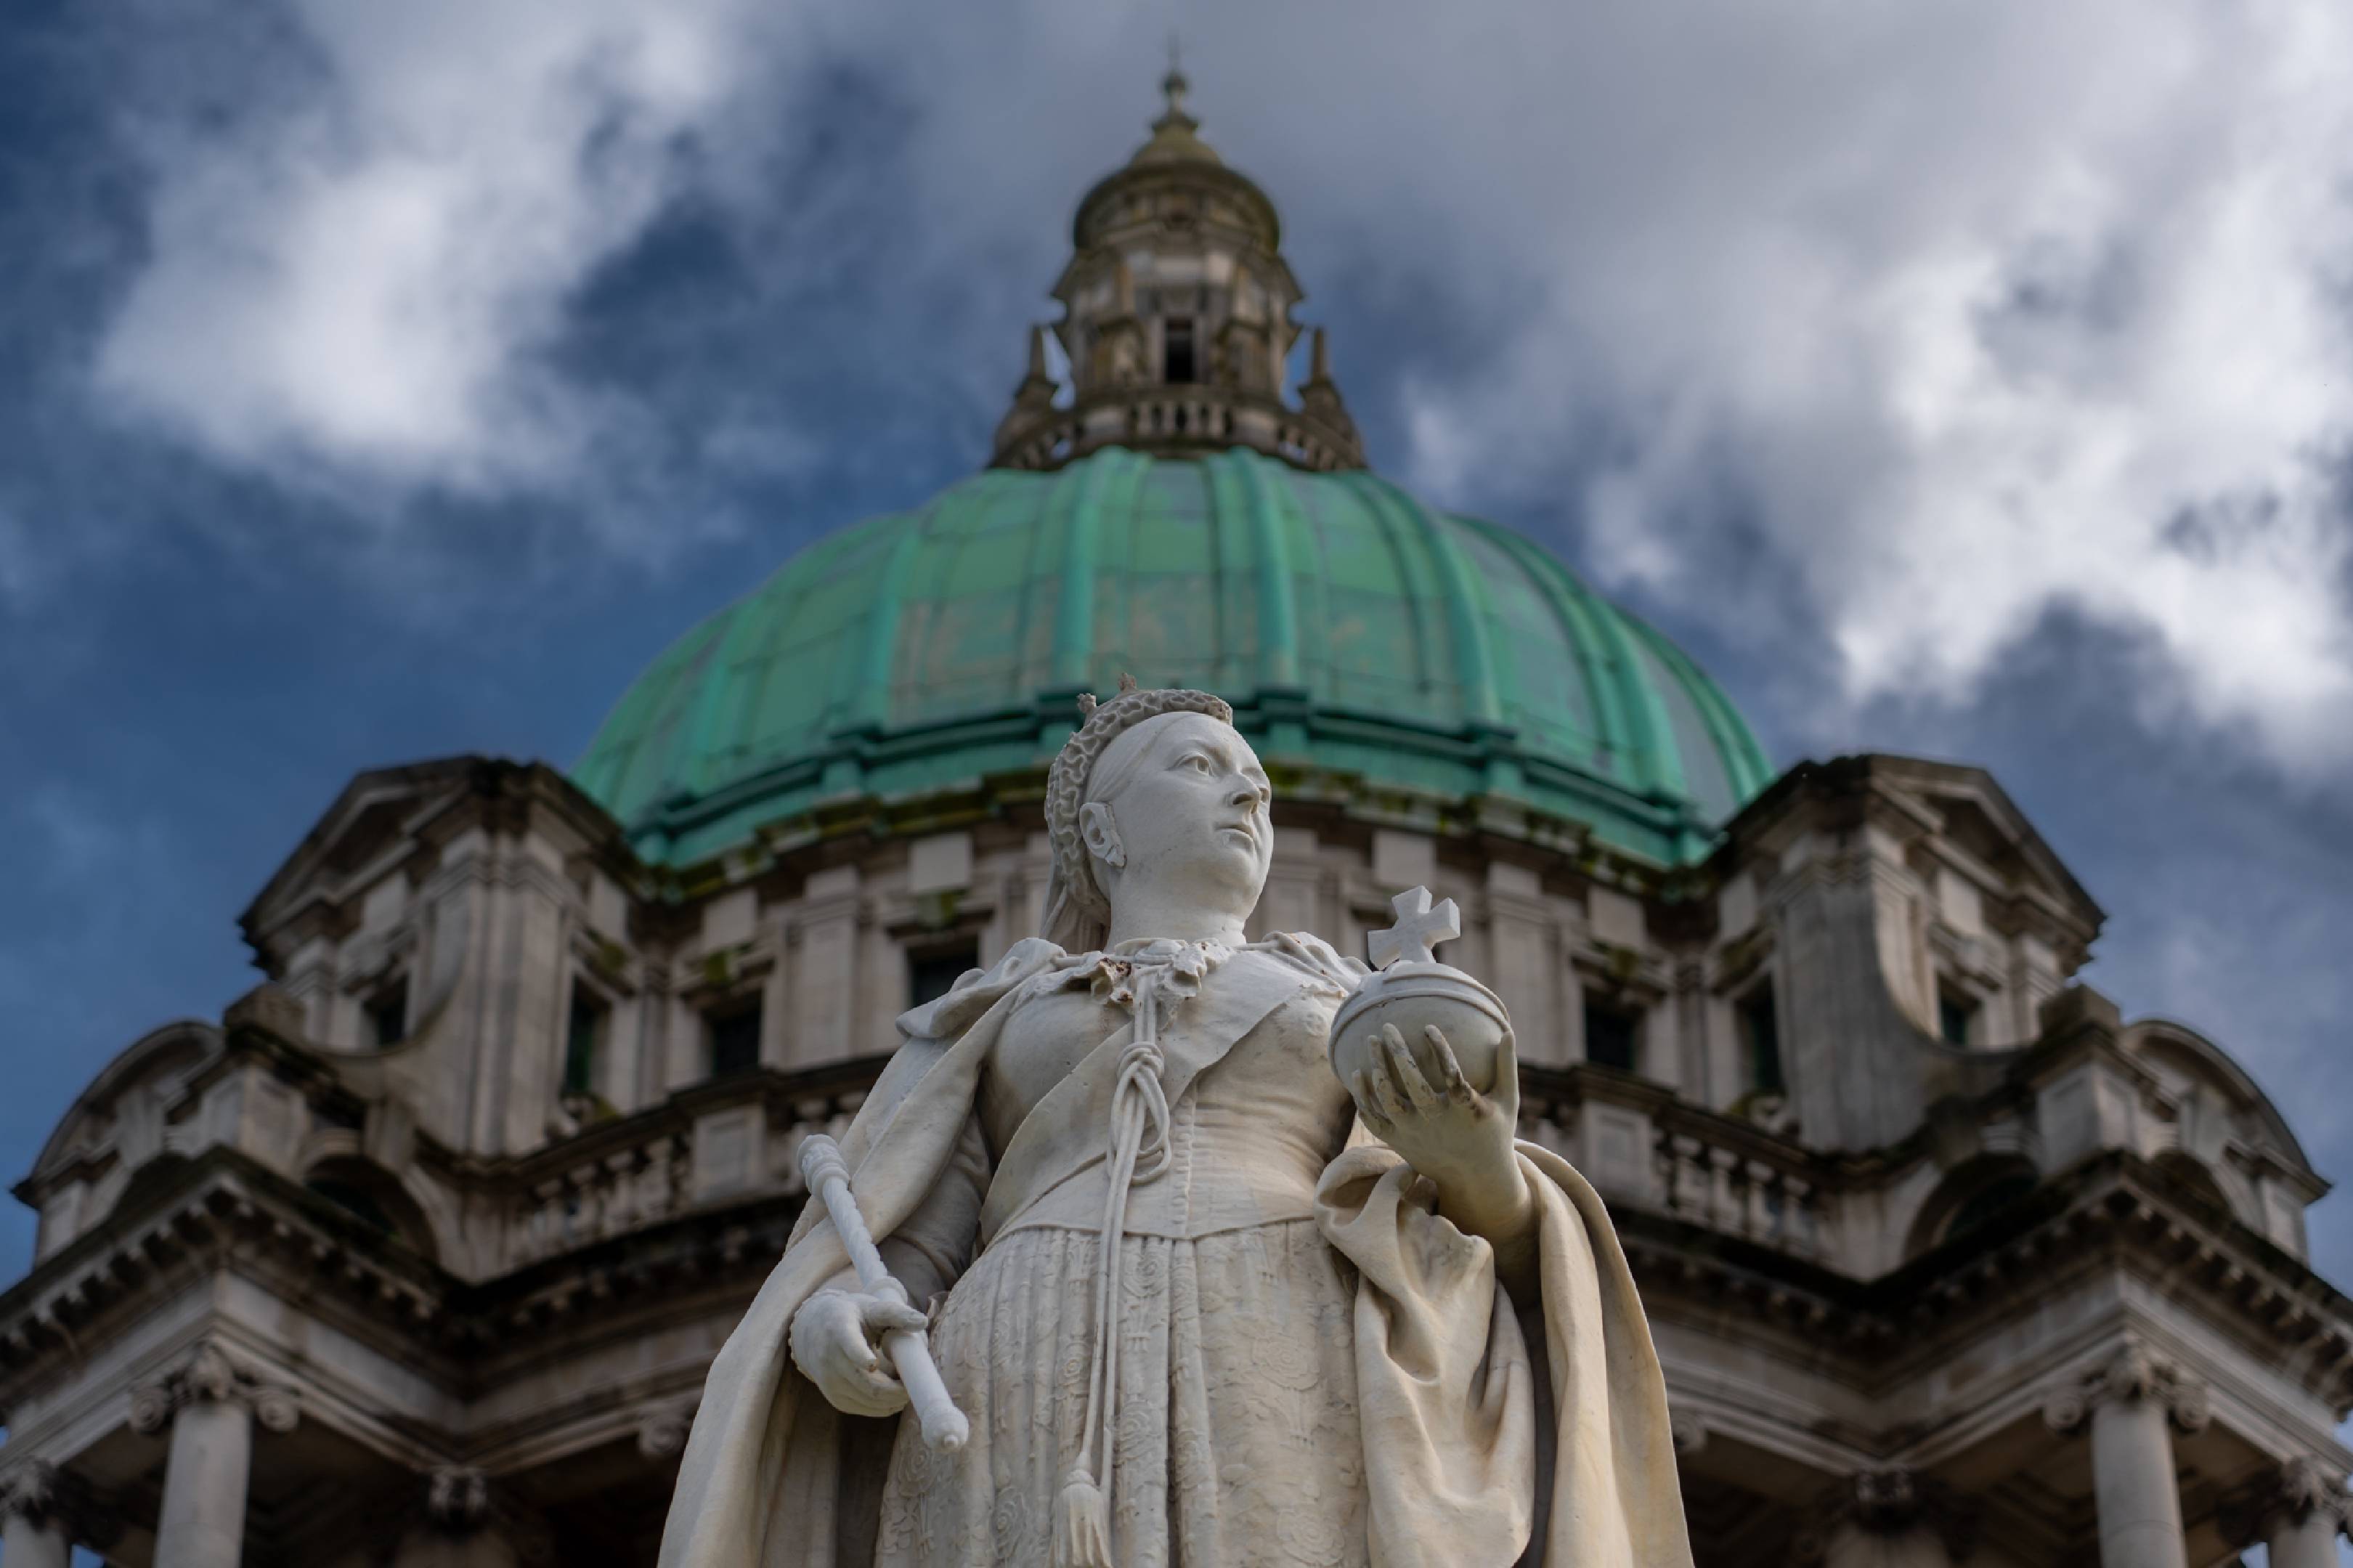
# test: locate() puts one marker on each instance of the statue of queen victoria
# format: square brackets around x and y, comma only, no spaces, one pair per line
[1201,1302]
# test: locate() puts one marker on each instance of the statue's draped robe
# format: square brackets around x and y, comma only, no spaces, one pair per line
[1316,1371]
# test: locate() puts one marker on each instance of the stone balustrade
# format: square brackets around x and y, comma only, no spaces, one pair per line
[728,1139]
[739,1138]
[1177,416]
[1641,1147]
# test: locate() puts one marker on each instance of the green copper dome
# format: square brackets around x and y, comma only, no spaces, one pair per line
[1405,658]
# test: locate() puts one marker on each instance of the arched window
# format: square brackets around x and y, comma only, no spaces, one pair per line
[1987,1202]
[1973,1194]
[374,1196]
[2192,1174]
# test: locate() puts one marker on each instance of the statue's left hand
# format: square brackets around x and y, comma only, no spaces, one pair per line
[1461,1139]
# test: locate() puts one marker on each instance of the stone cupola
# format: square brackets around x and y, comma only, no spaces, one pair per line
[1176,322]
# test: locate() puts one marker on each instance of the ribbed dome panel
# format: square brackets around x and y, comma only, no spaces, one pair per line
[1350,626]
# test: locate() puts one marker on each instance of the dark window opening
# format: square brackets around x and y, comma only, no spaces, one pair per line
[1611,1036]
[1760,1041]
[372,1195]
[583,1041]
[1177,350]
[356,1201]
[735,1041]
[387,1016]
[1954,1017]
[933,972]
[1987,1202]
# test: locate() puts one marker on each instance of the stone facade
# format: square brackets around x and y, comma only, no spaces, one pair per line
[449,1296]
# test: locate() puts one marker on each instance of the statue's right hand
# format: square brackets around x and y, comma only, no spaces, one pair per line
[836,1339]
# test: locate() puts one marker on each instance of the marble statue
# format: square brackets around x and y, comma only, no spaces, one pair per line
[1199,1300]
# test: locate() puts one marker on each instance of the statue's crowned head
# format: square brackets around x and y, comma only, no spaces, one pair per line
[1156,803]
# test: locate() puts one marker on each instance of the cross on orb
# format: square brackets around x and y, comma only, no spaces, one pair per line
[1418,930]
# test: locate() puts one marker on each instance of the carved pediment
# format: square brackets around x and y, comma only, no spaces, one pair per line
[402,816]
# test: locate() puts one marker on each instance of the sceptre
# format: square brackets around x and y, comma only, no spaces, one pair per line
[828,1175]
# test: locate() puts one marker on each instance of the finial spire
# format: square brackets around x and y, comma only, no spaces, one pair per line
[1174,86]
[1176,333]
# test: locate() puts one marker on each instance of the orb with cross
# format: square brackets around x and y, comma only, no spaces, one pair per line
[1411,991]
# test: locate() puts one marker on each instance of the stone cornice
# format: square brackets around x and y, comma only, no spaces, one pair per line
[223,1211]
[2114,1210]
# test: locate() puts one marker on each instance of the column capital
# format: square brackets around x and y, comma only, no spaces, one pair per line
[50,1495]
[2290,1491]
[208,1376]
[1890,1499]
[2132,1374]
[41,1491]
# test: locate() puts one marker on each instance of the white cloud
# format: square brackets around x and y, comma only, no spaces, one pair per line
[1975,311]
[1971,309]
[361,279]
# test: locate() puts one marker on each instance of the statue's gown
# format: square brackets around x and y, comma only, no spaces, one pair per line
[1237,1437]
[1294,1319]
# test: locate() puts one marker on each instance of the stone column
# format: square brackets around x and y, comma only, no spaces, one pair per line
[2297,1510]
[2128,1405]
[35,1533]
[209,1404]
[1891,1518]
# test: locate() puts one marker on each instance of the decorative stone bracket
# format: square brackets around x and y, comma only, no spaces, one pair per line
[209,1377]
[457,1497]
[2131,1376]
[460,1501]
[1890,1501]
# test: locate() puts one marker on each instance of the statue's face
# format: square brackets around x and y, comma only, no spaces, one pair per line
[1192,816]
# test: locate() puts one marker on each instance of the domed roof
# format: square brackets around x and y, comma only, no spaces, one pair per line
[1372,647]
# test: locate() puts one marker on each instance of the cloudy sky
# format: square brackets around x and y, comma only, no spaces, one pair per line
[1963,377]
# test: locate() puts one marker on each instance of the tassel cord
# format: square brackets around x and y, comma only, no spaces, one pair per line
[1140,1152]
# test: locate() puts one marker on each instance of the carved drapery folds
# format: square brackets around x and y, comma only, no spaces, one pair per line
[2292,1493]
[1889,1500]
[209,1376]
[2130,1376]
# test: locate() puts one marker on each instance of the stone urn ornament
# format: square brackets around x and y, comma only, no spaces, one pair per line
[1435,1008]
